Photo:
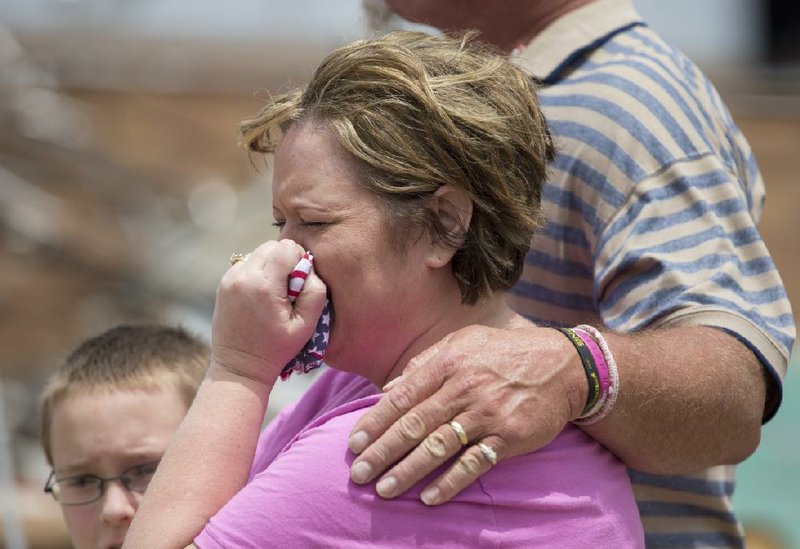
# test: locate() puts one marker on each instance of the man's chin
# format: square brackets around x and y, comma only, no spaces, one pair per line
[377,17]
[380,19]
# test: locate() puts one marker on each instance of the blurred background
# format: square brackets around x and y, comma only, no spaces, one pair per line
[122,191]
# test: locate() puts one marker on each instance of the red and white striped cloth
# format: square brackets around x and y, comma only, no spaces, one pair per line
[310,357]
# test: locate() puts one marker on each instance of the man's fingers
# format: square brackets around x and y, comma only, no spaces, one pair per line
[419,361]
[468,467]
[403,397]
[404,435]
[436,448]
[423,359]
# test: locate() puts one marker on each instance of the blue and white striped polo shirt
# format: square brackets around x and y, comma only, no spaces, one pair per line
[651,214]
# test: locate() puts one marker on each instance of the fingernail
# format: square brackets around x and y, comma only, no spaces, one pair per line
[430,496]
[392,383]
[360,472]
[386,487]
[358,441]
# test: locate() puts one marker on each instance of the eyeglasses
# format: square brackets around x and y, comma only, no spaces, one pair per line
[84,489]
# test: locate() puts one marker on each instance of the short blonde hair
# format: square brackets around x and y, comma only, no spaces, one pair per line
[128,357]
[416,112]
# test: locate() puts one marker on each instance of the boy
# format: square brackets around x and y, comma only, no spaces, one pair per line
[108,415]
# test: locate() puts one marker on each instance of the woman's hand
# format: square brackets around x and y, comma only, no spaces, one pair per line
[256,330]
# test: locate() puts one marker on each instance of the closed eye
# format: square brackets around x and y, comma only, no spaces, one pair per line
[282,224]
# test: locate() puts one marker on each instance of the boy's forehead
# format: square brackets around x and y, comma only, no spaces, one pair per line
[103,426]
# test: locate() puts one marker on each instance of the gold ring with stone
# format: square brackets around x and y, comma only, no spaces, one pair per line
[488,453]
[460,432]
[236,258]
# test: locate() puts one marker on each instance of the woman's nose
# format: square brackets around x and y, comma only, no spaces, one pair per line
[287,230]
[292,233]
[119,504]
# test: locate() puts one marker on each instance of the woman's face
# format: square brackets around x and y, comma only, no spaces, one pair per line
[377,292]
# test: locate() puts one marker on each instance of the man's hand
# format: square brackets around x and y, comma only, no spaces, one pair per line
[513,390]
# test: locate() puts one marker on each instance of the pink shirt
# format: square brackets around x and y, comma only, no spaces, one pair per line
[572,493]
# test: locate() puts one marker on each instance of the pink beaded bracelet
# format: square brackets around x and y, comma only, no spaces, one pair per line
[602,370]
[610,397]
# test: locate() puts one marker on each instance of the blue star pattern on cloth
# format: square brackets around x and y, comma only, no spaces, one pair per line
[310,357]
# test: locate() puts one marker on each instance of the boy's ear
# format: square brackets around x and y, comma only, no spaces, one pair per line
[453,207]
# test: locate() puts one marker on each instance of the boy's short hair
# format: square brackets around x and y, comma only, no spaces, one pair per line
[128,357]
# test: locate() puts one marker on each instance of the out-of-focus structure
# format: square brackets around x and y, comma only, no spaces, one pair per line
[122,191]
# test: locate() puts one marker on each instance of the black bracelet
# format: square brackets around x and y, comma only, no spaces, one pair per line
[592,375]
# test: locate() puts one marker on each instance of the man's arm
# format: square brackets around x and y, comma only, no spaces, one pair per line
[699,378]
[690,397]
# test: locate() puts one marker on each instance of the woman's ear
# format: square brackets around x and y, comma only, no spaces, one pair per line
[453,207]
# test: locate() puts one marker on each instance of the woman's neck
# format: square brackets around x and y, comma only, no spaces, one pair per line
[492,312]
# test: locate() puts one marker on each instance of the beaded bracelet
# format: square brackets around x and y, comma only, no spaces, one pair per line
[589,366]
[613,378]
[602,369]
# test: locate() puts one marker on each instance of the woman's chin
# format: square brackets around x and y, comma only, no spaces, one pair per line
[334,355]
[337,358]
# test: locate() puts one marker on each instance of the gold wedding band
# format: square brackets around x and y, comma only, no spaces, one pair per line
[460,432]
[488,453]
[236,258]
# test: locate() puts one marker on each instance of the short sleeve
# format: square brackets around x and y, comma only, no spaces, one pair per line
[684,250]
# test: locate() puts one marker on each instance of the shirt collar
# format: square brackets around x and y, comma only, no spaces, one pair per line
[574,33]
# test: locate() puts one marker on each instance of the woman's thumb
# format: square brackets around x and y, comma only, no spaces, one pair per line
[311,300]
